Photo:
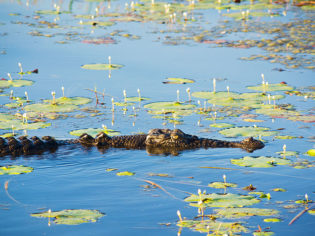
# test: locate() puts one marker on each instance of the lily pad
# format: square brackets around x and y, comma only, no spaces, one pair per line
[125,173]
[136,99]
[70,100]
[312,212]
[279,190]
[94,131]
[215,95]
[288,153]
[71,217]
[165,107]
[260,162]
[15,170]
[221,185]
[217,227]
[178,81]
[271,87]
[311,152]
[15,83]
[102,66]
[19,125]
[99,23]
[263,233]
[244,212]
[284,137]
[222,200]
[247,131]
[222,125]
[43,107]
[272,220]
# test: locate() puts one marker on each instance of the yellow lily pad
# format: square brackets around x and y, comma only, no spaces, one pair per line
[178,81]
[15,170]
[271,87]
[70,100]
[94,131]
[222,125]
[272,220]
[125,173]
[244,212]
[15,83]
[222,185]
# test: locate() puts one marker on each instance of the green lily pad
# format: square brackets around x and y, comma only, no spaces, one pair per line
[6,117]
[169,106]
[6,135]
[312,212]
[15,170]
[247,131]
[94,131]
[222,125]
[125,173]
[50,12]
[178,81]
[71,217]
[311,152]
[244,212]
[217,227]
[222,200]
[221,185]
[271,87]
[123,104]
[288,153]
[272,220]
[215,95]
[43,107]
[70,100]
[102,66]
[19,125]
[277,113]
[260,162]
[15,83]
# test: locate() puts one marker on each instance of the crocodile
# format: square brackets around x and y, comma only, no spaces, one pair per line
[157,141]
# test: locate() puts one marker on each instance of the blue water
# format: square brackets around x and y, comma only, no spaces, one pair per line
[77,178]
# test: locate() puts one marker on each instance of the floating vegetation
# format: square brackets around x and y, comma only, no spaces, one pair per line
[222,185]
[125,173]
[178,81]
[311,152]
[69,101]
[274,220]
[15,170]
[247,132]
[215,227]
[231,213]
[94,131]
[222,125]
[271,87]
[20,125]
[48,107]
[71,217]
[15,83]
[279,190]
[101,66]
[221,200]
[260,162]
[170,107]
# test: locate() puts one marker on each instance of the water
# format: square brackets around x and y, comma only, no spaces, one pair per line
[77,178]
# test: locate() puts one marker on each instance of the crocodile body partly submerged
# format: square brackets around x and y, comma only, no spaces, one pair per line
[157,141]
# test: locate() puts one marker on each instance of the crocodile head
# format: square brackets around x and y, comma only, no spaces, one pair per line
[251,144]
[167,138]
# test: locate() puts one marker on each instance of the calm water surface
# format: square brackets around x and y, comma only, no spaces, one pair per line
[77,178]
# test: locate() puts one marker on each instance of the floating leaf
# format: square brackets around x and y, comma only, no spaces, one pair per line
[102,66]
[99,23]
[312,212]
[288,153]
[15,170]
[221,185]
[178,81]
[220,228]
[260,162]
[284,137]
[15,83]
[111,169]
[43,107]
[222,200]
[279,190]
[94,131]
[70,100]
[215,95]
[311,152]
[19,125]
[271,87]
[125,173]
[253,120]
[272,220]
[247,131]
[244,212]
[166,107]
[160,175]
[222,125]
[263,233]
[71,217]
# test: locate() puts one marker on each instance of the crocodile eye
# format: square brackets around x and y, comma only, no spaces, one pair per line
[175,136]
